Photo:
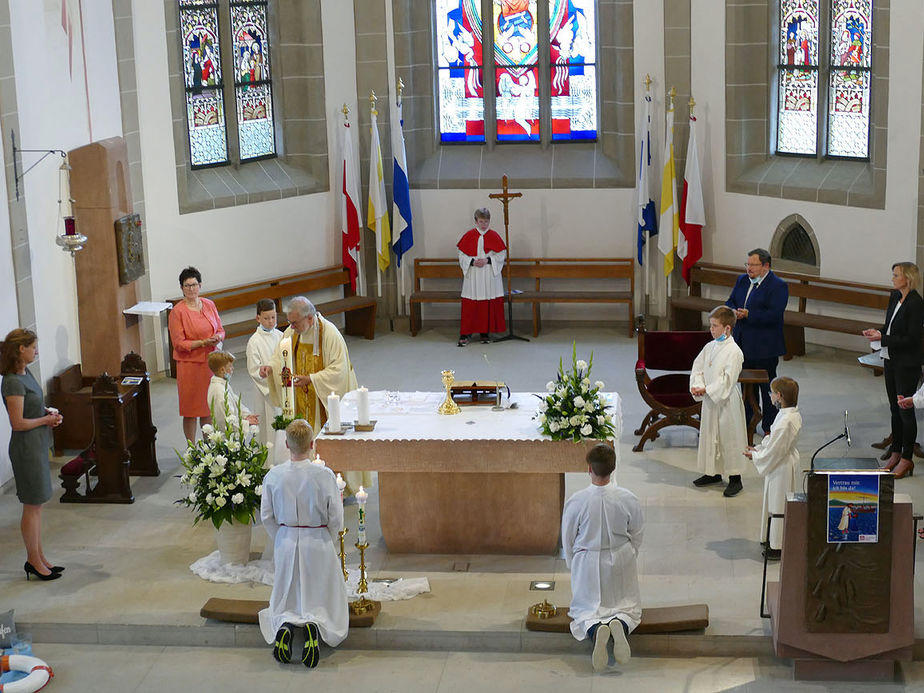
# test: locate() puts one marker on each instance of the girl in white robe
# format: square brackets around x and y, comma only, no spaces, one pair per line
[776,457]
[260,348]
[714,382]
[601,532]
[303,515]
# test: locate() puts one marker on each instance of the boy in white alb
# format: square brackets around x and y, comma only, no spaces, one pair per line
[601,532]
[777,460]
[714,382]
[260,348]
[224,404]
[303,515]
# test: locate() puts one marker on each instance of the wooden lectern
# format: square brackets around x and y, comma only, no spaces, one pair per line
[844,611]
[124,436]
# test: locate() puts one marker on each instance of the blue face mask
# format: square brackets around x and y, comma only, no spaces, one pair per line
[721,338]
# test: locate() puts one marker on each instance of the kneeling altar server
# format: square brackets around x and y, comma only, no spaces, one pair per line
[303,515]
[601,531]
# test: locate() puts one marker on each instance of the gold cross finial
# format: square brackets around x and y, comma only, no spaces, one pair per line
[691,103]
[372,99]
[672,93]
[647,82]
[346,113]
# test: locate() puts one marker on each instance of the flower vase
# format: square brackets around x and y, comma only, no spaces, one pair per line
[233,539]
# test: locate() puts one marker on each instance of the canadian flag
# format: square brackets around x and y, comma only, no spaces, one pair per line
[349,209]
[692,213]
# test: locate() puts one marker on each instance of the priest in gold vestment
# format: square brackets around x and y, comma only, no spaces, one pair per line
[322,367]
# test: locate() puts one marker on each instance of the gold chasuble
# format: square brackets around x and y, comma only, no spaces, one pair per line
[306,363]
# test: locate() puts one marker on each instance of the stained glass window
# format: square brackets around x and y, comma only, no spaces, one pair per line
[459,63]
[848,106]
[572,36]
[516,52]
[205,107]
[798,77]
[513,40]
[840,85]
[253,90]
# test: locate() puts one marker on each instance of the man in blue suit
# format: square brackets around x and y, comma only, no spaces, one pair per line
[759,301]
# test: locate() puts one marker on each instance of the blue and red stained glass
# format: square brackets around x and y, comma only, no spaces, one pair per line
[205,108]
[460,70]
[572,35]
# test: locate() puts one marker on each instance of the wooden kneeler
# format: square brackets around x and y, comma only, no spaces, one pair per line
[658,619]
[245,611]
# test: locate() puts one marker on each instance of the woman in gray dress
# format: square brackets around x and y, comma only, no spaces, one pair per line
[29,444]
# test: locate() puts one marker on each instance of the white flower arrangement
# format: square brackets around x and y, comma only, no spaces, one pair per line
[224,472]
[573,409]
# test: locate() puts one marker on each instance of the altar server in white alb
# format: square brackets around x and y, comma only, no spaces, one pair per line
[482,254]
[777,460]
[714,382]
[260,348]
[601,532]
[303,514]
[225,405]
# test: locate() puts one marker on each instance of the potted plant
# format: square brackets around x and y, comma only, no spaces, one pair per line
[223,473]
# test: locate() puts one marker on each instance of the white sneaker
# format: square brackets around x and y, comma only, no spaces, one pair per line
[600,657]
[621,651]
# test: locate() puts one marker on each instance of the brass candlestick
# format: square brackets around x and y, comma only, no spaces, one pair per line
[448,407]
[361,605]
[342,554]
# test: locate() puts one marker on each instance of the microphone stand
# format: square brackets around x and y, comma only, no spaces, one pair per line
[833,440]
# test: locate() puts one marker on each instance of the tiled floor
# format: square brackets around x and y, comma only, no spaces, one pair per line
[128,583]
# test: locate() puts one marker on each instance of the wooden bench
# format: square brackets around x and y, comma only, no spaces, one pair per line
[686,311]
[359,311]
[541,271]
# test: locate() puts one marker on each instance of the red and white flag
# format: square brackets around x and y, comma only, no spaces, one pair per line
[349,209]
[692,211]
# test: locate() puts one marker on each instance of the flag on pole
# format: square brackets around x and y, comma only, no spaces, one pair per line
[349,206]
[647,215]
[377,215]
[401,191]
[670,220]
[692,212]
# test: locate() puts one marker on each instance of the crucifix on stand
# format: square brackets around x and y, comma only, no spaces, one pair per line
[505,198]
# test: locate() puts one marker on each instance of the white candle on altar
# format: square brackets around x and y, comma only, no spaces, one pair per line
[288,371]
[341,484]
[318,461]
[361,497]
[362,406]
[333,413]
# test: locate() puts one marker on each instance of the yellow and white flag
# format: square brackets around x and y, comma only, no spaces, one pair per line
[377,217]
[669,223]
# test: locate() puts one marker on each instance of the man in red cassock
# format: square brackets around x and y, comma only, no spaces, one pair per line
[481,255]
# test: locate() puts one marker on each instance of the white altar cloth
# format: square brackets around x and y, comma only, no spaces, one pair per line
[413,416]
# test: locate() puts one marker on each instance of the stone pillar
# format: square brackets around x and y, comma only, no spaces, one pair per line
[102,192]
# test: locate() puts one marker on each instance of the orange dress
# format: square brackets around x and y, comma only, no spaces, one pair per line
[192,368]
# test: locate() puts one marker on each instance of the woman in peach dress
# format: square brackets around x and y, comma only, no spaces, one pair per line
[196,331]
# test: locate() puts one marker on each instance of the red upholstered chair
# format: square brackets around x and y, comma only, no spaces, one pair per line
[668,395]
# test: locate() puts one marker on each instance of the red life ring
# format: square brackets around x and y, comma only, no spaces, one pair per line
[39,673]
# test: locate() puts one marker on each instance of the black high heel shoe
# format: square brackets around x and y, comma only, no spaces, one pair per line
[57,569]
[30,570]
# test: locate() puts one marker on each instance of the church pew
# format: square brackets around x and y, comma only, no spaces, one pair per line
[543,272]
[359,311]
[686,311]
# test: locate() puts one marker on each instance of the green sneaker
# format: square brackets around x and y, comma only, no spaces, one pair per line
[312,652]
[282,646]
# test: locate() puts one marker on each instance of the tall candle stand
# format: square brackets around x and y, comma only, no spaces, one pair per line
[342,554]
[362,605]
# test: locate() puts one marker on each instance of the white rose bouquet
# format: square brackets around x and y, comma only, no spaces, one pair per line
[573,409]
[224,472]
